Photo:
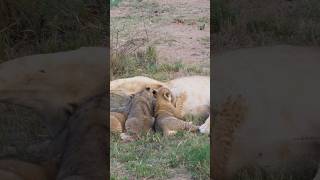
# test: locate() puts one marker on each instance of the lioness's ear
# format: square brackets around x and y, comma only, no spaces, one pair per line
[167,95]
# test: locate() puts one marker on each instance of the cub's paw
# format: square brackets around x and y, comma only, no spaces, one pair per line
[170,133]
[127,138]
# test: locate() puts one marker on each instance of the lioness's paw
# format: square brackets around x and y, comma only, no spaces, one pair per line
[205,128]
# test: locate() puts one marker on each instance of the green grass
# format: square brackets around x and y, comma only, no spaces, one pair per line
[154,155]
[114,2]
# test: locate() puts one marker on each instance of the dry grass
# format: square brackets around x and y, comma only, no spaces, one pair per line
[245,23]
[42,26]
[145,62]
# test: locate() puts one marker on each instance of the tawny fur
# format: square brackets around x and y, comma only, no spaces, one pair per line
[197,89]
[117,122]
[54,83]
[133,85]
[280,132]
[140,116]
[12,169]
[84,155]
[168,114]
[230,115]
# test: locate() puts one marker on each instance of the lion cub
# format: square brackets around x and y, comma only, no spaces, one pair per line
[168,113]
[140,116]
[117,121]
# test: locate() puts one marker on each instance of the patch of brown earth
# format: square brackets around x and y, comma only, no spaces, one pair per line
[180,30]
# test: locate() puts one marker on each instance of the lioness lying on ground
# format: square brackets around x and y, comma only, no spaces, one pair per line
[140,116]
[54,84]
[197,89]
[279,129]
[167,115]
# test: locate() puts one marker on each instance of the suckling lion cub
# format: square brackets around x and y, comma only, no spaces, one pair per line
[140,116]
[168,113]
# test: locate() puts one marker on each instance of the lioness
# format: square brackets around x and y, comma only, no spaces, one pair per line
[279,132]
[140,116]
[197,89]
[54,84]
[167,114]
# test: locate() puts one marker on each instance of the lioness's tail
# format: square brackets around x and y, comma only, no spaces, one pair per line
[230,115]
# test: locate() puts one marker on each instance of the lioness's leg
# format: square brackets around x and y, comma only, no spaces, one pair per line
[205,128]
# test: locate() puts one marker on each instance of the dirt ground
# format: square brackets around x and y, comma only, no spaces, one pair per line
[179,30]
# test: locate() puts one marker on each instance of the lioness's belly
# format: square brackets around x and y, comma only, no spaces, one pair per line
[198,92]
[282,124]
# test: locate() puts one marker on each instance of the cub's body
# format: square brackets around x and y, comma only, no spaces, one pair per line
[197,89]
[140,116]
[167,114]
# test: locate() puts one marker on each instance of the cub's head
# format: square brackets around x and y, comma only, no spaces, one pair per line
[147,93]
[163,94]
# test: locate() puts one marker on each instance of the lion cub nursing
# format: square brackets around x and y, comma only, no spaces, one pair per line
[151,108]
[140,116]
[168,113]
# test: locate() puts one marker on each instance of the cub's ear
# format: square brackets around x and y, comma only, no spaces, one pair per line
[167,96]
[158,86]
